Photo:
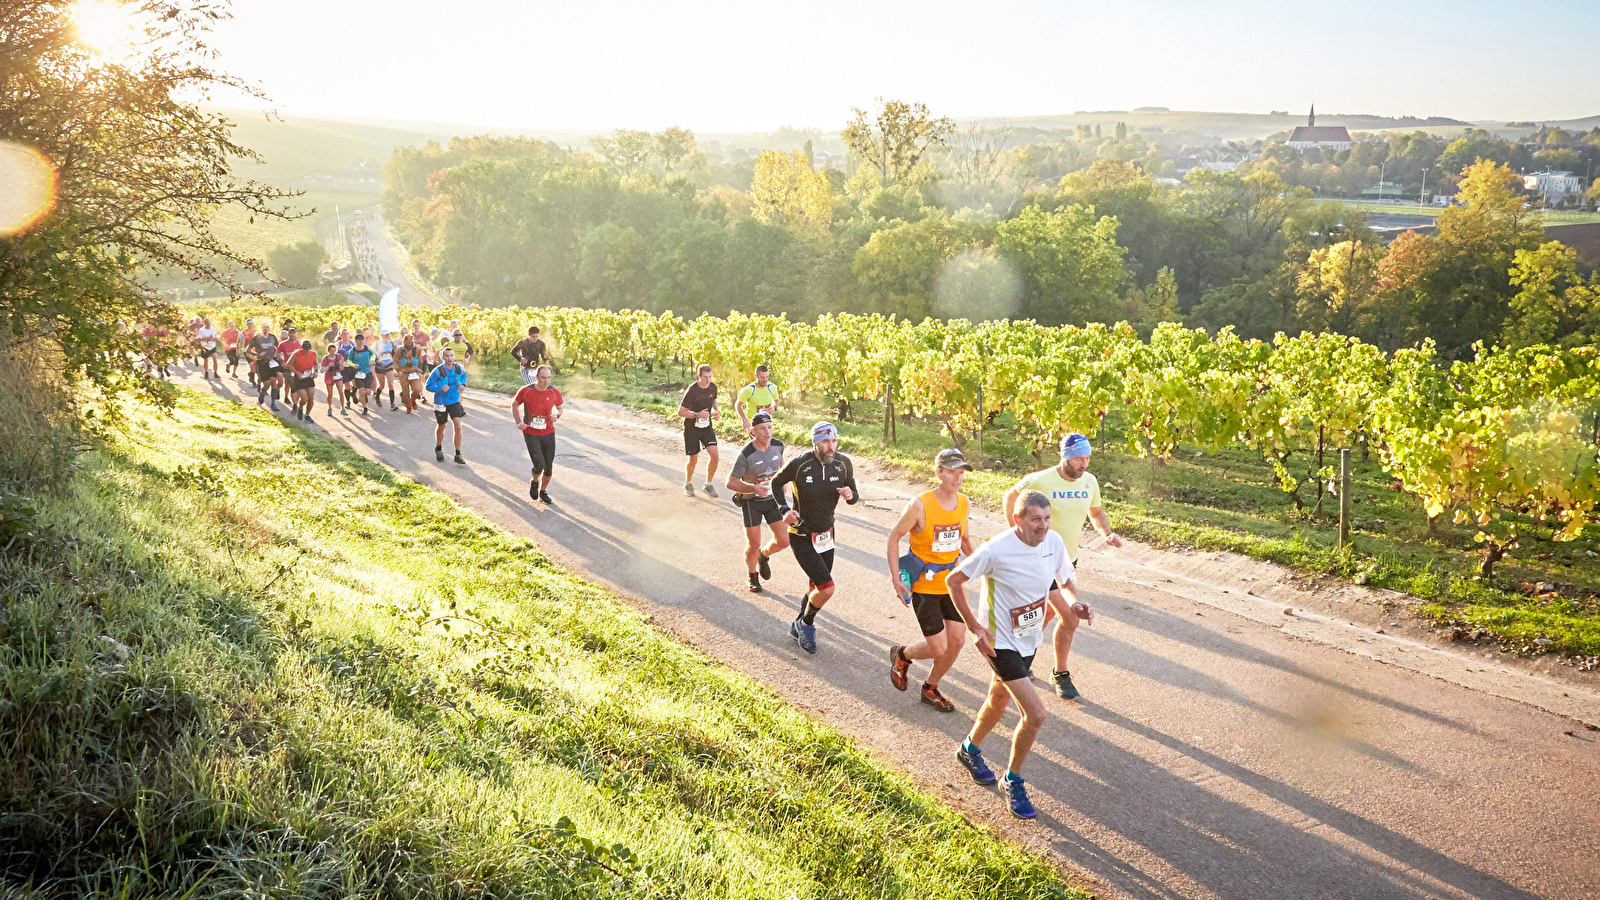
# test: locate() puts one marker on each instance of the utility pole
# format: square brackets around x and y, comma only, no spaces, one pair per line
[1380,183]
[1422,196]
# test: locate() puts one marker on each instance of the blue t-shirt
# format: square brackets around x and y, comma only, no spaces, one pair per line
[361,359]
[446,384]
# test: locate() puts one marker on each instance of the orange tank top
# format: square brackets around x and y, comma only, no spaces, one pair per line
[939,541]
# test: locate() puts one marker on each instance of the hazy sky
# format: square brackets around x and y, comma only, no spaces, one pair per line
[748,66]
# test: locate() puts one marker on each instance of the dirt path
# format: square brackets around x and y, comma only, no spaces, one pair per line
[1222,749]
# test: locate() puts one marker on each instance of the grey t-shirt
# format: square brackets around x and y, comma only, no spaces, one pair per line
[753,465]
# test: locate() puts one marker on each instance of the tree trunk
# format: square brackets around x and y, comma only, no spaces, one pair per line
[1492,553]
[844,410]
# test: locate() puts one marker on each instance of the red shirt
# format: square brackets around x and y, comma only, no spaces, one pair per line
[230,339]
[537,404]
[303,361]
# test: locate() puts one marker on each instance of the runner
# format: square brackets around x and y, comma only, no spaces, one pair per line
[264,352]
[535,409]
[529,353]
[409,371]
[1026,569]
[936,521]
[821,478]
[384,371]
[751,484]
[332,334]
[333,378]
[246,338]
[363,359]
[461,346]
[1074,496]
[302,366]
[445,383]
[206,339]
[697,409]
[347,381]
[230,346]
[757,396]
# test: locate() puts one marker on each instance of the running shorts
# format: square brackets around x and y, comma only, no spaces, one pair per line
[348,373]
[760,509]
[1010,665]
[302,382]
[933,610]
[363,380]
[696,438]
[206,354]
[233,356]
[265,371]
[542,451]
[453,411]
[817,566]
[384,370]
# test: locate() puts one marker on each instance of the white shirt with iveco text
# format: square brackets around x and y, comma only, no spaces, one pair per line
[1016,581]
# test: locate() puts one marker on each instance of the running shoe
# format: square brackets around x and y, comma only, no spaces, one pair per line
[274,404]
[932,697]
[533,489]
[688,489]
[1064,686]
[898,666]
[972,761]
[766,567]
[460,460]
[343,412]
[755,583]
[804,635]
[544,497]
[710,491]
[1017,797]
[438,452]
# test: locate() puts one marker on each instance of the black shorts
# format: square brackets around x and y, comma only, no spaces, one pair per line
[266,372]
[347,375]
[817,566]
[933,610]
[760,509]
[1010,665]
[206,354]
[384,370]
[453,411]
[362,381]
[542,451]
[302,382]
[696,438]
[233,356]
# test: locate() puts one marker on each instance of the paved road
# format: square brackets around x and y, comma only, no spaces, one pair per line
[1222,749]
[390,272]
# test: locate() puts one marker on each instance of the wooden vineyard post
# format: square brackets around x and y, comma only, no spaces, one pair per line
[1344,498]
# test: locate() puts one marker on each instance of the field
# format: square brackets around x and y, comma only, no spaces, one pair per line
[1553,217]
[240,660]
[1231,501]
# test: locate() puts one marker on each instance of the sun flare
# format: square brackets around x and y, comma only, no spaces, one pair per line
[104,26]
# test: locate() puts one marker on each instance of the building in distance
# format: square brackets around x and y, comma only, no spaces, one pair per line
[1312,136]
[358,176]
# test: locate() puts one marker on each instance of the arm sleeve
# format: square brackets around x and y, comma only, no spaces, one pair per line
[978,564]
[518,353]
[741,465]
[850,482]
[1094,496]
[685,401]
[433,380]
[781,480]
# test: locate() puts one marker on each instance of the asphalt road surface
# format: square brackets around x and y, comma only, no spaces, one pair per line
[1237,737]
[390,272]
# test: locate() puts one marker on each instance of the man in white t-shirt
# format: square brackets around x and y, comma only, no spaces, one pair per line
[205,341]
[1025,570]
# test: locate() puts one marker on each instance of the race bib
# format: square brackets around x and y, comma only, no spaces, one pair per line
[822,541]
[536,423]
[702,420]
[947,540]
[1027,621]
[272,364]
[412,376]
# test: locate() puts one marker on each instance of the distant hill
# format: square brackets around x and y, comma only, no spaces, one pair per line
[1221,125]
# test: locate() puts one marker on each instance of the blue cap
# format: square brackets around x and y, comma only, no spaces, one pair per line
[824,431]
[1073,446]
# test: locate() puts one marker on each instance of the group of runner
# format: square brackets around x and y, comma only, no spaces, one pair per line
[1029,570]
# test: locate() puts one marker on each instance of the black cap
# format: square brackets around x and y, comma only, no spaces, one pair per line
[760,418]
[952,459]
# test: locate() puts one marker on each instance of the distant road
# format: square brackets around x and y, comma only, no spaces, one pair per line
[390,272]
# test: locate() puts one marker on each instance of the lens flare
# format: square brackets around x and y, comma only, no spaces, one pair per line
[103,26]
[27,188]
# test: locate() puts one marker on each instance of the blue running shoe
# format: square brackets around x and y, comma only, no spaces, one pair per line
[804,635]
[1017,797]
[972,761]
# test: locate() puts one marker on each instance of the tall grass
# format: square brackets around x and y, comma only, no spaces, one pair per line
[239,660]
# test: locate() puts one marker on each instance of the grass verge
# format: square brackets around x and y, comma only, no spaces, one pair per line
[1545,597]
[238,659]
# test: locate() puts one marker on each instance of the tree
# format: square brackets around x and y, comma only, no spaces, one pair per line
[612,260]
[1070,264]
[141,170]
[1554,304]
[787,191]
[687,270]
[893,141]
[296,264]
[900,267]
[1337,286]
[979,171]
[675,147]
[626,151]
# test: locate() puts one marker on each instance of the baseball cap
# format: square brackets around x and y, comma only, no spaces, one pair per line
[824,431]
[952,459]
[760,418]
[1073,446]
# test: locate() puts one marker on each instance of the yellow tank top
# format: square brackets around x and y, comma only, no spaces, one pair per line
[939,541]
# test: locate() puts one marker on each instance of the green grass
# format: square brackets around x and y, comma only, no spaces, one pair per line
[238,659]
[1229,501]
[1552,217]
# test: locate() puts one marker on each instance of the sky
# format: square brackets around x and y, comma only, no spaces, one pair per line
[719,66]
